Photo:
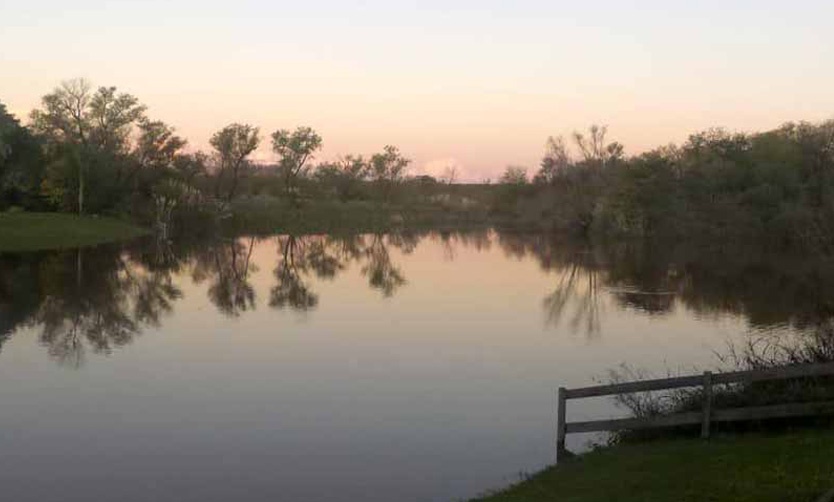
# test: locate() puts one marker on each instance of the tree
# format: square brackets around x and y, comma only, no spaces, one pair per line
[233,144]
[21,162]
[514,175]
[8,124]
[189,166]
[594,149]
[556,160]
[388,170]
[512,182]
[345,175]
[86,129]
[643,196]
[294,149]
[157,147]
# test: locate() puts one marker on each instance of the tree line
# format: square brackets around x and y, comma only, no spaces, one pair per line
[775,186]
[96,151]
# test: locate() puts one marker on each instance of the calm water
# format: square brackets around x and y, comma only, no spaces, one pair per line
[418,367]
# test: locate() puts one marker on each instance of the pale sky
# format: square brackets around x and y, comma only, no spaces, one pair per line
[478,84]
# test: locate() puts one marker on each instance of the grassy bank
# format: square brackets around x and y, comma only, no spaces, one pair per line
[797,466]
[37,231]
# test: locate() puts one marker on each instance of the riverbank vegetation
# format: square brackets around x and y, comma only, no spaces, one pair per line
[96,151]
[772,187]
[792,467]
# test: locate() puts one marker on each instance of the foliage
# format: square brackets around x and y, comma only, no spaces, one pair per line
[294,149]
[21,164]
[87,135]
[388,171]
[233,144]
[774,186]
[347,176]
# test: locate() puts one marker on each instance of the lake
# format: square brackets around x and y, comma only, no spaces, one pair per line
[405,366]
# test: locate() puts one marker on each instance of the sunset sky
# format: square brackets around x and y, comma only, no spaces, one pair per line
[477,84]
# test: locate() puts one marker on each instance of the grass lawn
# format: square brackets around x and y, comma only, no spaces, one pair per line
[35,231]
[791,467]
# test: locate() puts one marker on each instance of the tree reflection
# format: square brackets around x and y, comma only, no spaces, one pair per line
[765,287]
[576,295]
[480,239]
[290,289]
[301,257]
[228,266]
[382,274]
[19,291]
[94,299]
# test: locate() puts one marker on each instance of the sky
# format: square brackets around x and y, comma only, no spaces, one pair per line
[478,85]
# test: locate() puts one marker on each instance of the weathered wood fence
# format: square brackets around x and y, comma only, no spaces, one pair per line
[707,414]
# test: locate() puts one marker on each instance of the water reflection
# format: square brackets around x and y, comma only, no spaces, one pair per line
[97,299]
[227,265]
[85,299]
[297,257]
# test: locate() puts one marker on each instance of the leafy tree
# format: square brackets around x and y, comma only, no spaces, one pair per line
[88,135]
[21,163]
[388,170]
[643,198]
[233,144]
[346,175]
[157,147]
[294,149]
[555,161]
[514,175]
[8,124]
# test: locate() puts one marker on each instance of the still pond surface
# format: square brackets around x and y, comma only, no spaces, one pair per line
[407,367]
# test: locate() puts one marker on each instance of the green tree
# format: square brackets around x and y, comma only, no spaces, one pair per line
[514,175]
[21,163]
[345,176]
[294,149]
[233,144]
[8,124]
[643,199]
[388,170]
[88,134]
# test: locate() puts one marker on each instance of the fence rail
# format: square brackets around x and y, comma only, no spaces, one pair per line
[704,417]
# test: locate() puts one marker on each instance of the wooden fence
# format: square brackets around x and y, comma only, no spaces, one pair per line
[707,414]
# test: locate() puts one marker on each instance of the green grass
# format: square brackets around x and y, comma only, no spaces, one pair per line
[38,231]
[797,466]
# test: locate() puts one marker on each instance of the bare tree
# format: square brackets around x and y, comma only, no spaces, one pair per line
[593,147]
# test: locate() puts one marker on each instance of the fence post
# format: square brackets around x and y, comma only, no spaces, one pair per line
[705,423]
[561,427]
